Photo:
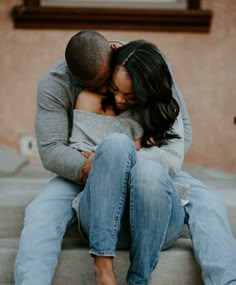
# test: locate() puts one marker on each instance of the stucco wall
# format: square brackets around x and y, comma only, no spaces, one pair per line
[204,65]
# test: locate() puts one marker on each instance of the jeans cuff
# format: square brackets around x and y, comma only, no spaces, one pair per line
[132,283]
[102,252]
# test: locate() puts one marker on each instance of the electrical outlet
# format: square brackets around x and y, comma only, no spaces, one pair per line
[28,145]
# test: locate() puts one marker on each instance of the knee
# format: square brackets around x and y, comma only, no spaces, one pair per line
[205,205]
[116,144]
[213,202]
[49,212]
[37,211]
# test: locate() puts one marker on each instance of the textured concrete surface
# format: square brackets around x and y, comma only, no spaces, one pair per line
[177,266]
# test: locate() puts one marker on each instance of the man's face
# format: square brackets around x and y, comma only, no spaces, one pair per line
[101,83]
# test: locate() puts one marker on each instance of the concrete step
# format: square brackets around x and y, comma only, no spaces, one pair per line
[176,266]
[16,192]
[11,162]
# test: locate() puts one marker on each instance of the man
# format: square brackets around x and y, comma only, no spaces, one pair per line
[87,66]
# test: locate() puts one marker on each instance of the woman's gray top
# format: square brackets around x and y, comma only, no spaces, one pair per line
[90,129]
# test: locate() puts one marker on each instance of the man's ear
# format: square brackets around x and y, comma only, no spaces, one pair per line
[115,45]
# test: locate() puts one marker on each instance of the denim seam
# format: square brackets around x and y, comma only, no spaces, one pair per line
[155,260]
[131,208]
[124,193]
[132,226]
[175,193]
[132,283]
[64,223]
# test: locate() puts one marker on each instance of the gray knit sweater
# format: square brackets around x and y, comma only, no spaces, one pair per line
[90,129]
[57,93]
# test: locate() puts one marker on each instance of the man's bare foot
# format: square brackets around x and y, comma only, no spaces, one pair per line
[104,272]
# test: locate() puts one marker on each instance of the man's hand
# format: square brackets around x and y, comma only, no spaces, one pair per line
[84,172]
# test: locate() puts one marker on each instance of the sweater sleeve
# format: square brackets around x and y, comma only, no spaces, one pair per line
[52,131]
[185,116]
[170,156]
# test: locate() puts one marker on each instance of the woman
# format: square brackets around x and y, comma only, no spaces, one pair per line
[128,197]
[95,116]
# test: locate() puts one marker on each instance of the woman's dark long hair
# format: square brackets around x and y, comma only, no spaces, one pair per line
[152,89]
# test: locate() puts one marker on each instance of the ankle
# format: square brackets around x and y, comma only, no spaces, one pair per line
[104,271]
[103,262]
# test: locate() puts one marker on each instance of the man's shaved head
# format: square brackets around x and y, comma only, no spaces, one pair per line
[86,54]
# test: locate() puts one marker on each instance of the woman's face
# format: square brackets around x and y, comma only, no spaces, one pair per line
[122,88]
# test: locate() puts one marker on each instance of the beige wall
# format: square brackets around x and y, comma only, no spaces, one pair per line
[204,65]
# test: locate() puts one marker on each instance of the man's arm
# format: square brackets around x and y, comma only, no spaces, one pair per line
[185,116]
[184,112]
[52,131]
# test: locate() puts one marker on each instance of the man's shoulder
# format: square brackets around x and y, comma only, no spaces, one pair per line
[59,75]
[58,70]
[58,84]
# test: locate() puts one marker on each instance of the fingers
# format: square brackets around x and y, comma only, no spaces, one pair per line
[85,169]
[82,178]
[87,154]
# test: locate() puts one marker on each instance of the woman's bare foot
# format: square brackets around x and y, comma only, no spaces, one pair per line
[104,272]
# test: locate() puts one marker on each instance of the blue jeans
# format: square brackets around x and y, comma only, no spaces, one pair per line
[212,239]
[155,214]
[48,216]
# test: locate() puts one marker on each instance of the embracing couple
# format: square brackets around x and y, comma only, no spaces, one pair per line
[112,124]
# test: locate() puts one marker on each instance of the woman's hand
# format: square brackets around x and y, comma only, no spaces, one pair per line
[85,170]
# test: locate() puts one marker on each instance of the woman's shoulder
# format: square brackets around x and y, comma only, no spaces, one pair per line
[89,101]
